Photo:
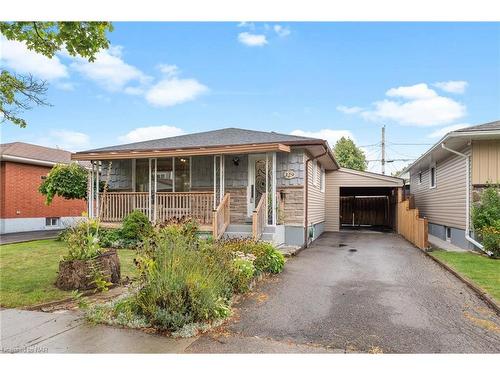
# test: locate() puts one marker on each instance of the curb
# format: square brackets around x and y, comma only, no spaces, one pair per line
[480,293]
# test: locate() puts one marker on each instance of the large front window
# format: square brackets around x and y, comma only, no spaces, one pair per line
[173,174]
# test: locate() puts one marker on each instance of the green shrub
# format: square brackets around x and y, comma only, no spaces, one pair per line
[110,238]
[486,212]
[82,240]
[268,258]
[244,272]
[491,240]
[178,286]
[65,180]
[136,226]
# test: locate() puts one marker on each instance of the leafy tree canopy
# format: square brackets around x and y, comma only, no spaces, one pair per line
[65,180]
[348,155]
[18,92]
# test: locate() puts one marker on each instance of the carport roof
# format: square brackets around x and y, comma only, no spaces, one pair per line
[398,182]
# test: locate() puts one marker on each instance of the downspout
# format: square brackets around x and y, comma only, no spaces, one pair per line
[467,197]
[306,189]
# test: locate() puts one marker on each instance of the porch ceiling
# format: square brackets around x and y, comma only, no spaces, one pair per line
[233,149]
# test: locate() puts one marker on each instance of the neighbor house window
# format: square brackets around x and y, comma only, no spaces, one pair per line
[432,176]
[51,221]
[419,176]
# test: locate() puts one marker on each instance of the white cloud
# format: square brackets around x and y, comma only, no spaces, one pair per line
[441,132]
[282,31]
[65,86]
[18,57]
[109,70]
[151,132]
[332,136]
[349,110]
[418,91]
[169,70]
[249,25]
[455,87]
[252,40]
[171,91]
[65,139]
[416,105]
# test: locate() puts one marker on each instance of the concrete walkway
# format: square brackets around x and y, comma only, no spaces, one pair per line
[438,243]
[38,332]
[8,238]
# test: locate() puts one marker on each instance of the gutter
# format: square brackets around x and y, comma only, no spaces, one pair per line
[467,197]
[306,189]
[19,159]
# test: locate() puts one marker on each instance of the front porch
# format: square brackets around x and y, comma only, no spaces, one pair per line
[214,190]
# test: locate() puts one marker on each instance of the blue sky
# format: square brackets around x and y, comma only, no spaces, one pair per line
[317,79]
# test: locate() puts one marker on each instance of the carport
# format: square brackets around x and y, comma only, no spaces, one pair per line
[356,199]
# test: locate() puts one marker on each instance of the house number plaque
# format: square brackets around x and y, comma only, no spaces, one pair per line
[289,174]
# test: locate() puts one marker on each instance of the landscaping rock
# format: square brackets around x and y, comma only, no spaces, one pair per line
[79,274]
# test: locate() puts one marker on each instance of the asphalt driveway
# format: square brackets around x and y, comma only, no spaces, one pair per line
[359,292]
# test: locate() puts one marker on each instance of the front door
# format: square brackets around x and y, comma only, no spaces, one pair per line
[256,181]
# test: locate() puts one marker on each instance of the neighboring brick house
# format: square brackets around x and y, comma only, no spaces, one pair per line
[22,208]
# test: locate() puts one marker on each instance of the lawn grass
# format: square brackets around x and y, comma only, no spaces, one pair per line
[28,272]
[481,270]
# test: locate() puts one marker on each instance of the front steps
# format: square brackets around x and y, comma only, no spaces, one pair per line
[245,231]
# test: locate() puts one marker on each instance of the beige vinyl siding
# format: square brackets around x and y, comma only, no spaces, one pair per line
[316,198]
[485,162]
[339,178]
[444,204]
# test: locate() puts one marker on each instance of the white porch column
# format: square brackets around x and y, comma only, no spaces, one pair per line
[273,189]
[221,173]
[97,210]
[155,189]
[149,190]
[215,182]
[90,194]
[267,189]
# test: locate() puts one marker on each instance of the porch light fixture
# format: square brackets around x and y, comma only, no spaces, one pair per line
[236,161]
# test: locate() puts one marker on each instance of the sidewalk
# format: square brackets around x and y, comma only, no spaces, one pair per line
[67,332]
[28,236]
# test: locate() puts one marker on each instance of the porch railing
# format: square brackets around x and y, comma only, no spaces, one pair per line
[259,217]
[196,205]
[221,217]
[115,206]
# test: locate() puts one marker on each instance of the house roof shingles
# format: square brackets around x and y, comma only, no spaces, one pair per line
[495,125]
[214,138]
[35,152]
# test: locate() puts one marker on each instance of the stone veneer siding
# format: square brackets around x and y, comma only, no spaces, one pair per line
[238,204]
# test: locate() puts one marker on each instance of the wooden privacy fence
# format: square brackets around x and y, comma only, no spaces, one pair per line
[365,211]
[410,225]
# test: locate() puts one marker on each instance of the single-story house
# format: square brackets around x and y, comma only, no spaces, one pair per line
[237,182]
[448,177]
[23,167]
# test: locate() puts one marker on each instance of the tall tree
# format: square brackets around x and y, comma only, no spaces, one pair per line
[349,155]
[21,92]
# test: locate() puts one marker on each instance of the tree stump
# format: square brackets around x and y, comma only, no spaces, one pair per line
[80,274]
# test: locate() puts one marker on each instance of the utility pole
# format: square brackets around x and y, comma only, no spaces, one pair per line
[383,149]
